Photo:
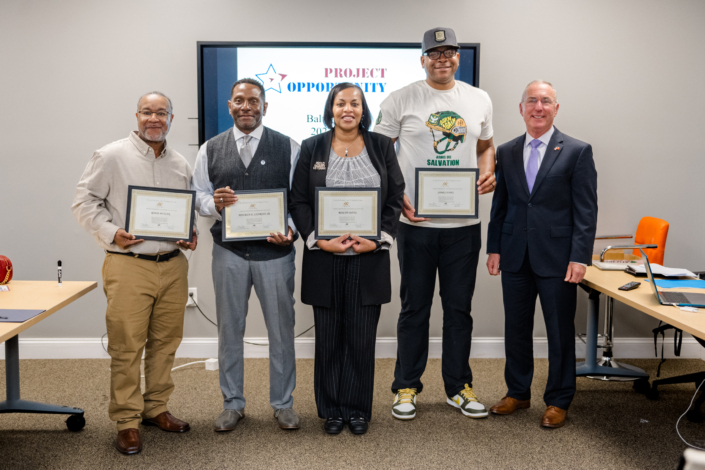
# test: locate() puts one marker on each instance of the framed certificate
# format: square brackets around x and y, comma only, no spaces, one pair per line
[255,215]
[356,211]
[450,193]
[160,213]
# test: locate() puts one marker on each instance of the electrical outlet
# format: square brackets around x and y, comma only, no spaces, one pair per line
[211,364]
[192,295]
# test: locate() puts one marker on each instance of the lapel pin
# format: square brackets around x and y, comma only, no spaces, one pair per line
[557,148]
[262,162]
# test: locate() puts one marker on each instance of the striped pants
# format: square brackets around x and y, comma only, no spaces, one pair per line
[344,370]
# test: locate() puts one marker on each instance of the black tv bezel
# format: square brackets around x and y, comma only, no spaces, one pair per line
[408,45]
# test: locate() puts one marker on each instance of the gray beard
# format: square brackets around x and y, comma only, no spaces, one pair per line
[160,138]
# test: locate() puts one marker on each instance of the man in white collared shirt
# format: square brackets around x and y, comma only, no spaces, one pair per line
[250,157]
[541,233]
[145,282]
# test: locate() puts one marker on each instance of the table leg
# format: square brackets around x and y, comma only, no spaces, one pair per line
[590,366]
[14,404]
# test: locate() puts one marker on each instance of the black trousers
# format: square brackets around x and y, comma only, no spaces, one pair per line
[558,299]
[453,253]
[344,371]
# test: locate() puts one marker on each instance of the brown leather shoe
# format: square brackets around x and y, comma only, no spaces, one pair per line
[509,405]
[166,422]
[553,417]
[128,441]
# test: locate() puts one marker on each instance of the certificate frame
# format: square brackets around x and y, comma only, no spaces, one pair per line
[242,196]
[374,234]
[422,173]
[133,195]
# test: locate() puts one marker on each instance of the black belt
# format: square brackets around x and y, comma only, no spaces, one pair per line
[157,258]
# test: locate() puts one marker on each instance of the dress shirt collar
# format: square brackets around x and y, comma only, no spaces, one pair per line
[143,147]
[544,138]
[256,134]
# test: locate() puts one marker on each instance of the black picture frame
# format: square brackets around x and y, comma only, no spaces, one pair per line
[285,214]
[446,170]
[377,236]
[206,73]
[131,188]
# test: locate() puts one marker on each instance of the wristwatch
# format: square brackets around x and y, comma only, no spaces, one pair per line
[378,243]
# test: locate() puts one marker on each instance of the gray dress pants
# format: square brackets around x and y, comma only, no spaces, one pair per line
[233,278]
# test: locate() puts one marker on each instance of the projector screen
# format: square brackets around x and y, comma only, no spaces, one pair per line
[298,76]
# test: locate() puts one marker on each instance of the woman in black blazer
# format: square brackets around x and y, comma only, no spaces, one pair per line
[346,279]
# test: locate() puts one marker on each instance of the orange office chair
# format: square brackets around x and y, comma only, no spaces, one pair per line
[652,231]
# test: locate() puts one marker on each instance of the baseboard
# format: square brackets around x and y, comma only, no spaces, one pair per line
[482,347]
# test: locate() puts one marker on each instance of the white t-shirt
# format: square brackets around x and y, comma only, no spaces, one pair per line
[421,116]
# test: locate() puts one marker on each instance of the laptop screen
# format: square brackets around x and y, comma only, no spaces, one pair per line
[650,275]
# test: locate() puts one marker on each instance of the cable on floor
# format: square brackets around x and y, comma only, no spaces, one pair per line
[686,412]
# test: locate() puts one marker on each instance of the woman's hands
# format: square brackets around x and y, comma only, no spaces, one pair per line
[343,242]
[336,245]
[362,245]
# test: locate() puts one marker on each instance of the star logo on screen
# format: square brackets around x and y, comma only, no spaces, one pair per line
[271,79]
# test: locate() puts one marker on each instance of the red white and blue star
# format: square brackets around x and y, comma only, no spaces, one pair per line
[271,79]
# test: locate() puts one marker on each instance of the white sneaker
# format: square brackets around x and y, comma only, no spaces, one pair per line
[404,406]
[467,401]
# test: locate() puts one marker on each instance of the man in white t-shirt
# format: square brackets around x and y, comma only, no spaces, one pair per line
[438,123]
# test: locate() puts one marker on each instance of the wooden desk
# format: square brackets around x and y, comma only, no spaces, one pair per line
[35,295]
[607,282]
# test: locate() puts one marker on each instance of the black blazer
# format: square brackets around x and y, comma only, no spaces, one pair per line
[557,221]
[317,277]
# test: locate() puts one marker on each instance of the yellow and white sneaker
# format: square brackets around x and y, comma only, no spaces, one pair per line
[467,401]
[404,406]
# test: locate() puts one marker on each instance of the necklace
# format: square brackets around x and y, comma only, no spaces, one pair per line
[351,144]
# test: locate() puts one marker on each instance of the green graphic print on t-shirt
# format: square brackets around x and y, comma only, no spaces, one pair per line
[452,129]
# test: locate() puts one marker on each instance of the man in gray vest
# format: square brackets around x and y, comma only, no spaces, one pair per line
[250,157]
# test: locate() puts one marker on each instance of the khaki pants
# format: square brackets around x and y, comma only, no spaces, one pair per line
[146,302]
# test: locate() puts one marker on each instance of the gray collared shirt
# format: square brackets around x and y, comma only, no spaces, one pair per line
[100,202]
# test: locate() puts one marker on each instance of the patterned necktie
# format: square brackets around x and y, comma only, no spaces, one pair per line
[532,168]
[246,152]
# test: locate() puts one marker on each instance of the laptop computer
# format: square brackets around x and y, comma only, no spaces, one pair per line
[686,299]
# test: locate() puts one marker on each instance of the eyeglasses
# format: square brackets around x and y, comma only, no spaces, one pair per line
[161,115]
[435,55]
[544,101]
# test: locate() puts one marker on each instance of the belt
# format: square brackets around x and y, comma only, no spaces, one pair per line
[157,258]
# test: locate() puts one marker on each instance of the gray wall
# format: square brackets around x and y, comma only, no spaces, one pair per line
[628,75]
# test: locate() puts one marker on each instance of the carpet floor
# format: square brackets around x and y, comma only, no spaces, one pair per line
[609,425]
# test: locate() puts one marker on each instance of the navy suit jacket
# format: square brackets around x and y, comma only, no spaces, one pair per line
[556,222]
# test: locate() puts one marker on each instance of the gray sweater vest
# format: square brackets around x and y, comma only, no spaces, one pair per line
[269,169]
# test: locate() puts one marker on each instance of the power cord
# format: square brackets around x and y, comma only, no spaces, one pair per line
[248,342]
[686,412]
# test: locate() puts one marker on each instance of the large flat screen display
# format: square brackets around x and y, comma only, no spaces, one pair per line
[297,78]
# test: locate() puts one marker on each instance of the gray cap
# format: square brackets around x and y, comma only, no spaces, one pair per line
[437,37]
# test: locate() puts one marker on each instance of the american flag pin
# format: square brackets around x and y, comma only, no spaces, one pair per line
[557,148]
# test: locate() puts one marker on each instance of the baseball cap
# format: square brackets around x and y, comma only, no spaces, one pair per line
[438,37]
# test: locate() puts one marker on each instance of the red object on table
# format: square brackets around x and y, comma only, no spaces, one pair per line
[5,270]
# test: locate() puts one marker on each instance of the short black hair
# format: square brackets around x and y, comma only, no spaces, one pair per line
[365,121]
[250,81]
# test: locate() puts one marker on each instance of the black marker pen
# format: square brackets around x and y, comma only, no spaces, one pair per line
[59,269]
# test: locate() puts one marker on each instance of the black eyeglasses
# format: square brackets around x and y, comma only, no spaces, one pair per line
[435,55]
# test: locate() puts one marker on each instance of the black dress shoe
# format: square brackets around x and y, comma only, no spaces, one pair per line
[334,425]
[358,425]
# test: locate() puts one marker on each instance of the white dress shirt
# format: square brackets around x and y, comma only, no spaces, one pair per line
[541,148]
[203,186]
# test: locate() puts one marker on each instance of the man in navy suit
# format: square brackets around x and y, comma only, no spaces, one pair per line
[540,235]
